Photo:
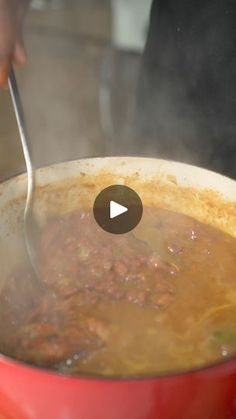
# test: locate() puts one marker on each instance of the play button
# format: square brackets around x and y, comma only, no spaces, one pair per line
[118,209]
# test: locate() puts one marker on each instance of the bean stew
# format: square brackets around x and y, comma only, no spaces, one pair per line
[159,299]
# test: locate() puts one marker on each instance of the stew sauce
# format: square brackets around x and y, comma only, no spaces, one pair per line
[157,300]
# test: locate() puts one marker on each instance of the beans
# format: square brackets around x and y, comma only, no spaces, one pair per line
[113,267]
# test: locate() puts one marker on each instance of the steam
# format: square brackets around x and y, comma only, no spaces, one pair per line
[180,105]
[186,90]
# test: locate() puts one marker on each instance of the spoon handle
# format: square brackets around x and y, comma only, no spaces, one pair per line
[29,221]
[19,113]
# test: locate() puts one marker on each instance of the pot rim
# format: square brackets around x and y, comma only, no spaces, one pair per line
[219,367]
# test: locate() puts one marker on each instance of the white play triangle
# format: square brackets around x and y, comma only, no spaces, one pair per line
[116,209]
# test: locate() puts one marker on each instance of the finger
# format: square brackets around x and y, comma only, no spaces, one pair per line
[6,43]
[5,65]
[19,55]
[4,72]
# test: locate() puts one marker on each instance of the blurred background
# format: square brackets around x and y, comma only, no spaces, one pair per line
[78,87]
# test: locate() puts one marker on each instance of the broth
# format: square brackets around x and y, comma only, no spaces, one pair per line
[157,300]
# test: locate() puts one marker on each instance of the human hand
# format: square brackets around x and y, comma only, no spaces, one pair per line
[12,13]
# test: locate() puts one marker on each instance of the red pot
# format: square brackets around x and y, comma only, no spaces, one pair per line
[31,393]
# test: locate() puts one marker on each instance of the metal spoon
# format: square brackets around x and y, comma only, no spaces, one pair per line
[29,223]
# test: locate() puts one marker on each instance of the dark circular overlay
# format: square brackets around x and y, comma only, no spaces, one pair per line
[122,195]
